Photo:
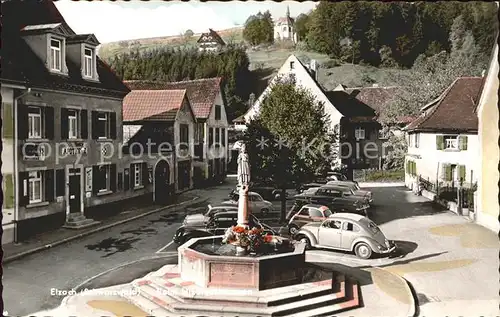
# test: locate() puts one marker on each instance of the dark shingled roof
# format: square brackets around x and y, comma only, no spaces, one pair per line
[21,65]
[375,97]
[215,36]
[349,106]
[454,111]
[201,92]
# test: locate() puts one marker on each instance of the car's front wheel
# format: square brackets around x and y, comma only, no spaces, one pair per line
[264,212]
[363,250]
[293,229]
[306,241]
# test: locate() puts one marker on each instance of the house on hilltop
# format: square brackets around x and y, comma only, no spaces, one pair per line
[210,41]
[443,141]
[207,100]
[284,28]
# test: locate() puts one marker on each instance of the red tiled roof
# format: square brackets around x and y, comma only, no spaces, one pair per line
[159,105]
[455,110]
[201,92]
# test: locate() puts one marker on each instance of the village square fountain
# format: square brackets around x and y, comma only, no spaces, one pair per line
[243,273]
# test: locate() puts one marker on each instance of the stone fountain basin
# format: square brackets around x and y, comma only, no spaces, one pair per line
[259,272]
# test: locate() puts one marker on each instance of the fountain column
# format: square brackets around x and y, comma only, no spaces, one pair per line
[243,184]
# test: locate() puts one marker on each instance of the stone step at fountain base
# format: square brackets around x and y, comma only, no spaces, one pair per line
[169,293]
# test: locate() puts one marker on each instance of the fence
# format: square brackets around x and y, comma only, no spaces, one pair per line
[449,191]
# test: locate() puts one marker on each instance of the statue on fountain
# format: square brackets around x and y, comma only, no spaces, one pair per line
[244,238]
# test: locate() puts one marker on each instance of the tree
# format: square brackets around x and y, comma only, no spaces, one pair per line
[189,33]
[259,29]
[301,26]
[296,123]
[386,59]
[457,34]
[396,149]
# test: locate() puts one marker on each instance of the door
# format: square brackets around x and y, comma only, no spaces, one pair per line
[74,193]
[330,234]
[162,181]
[350,232]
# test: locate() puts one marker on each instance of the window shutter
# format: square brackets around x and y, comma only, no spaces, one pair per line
[22,126]
[23,199]
[49,122]
[449,176]
[461,171]
[112,134]
[64,124]
[95,179]
[132,175]
[462,142]
[126,180]
[60,182]
[145,174]
[119,180]
[49,185]
[112,180]
[94,125]
[84,123]
[439,142]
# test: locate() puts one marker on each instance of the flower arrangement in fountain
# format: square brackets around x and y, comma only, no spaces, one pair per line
[251,239]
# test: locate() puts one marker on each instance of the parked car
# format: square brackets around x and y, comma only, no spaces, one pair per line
[348,191]
[297,217]
[355,187]
[348,232]
[268,193]
[203,218]
[336,176]
[215,226]
[307,186]
[335,199]
[256,204]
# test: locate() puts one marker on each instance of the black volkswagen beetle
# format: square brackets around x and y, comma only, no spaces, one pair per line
[215,226]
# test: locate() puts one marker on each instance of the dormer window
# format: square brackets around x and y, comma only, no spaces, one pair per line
[88,67]
[55,55]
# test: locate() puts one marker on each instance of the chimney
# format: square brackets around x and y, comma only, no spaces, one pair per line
[251,99]
[375,85]
[483,73]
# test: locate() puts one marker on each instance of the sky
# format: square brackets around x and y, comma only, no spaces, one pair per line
[116,21]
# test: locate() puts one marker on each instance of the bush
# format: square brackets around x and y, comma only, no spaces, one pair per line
[331,63]
[380,176]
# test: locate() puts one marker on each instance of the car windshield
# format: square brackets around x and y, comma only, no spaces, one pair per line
[327,213]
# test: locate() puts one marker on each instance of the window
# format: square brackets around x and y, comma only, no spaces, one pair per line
[359,133]
[88,65]
[373,227]
[102,125]
[55,55]
[304,212]
[217,136]
[313,212]
[200,132]
[103,178]
[417,139]
[223,136]
[73,124]
[334,224]
[35,123]
[292,65]
[137,170]
[210,136]
[256,198]
[349,226]
[184,133]
[35,187]
[450,142]
[217,112]
[327,213]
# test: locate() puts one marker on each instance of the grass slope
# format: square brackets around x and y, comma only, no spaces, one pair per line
[265,62]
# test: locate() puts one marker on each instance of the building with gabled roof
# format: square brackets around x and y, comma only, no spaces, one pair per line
[210,41]
[443,141]
[61,109]
[207,100]
[165,119]
[284,28]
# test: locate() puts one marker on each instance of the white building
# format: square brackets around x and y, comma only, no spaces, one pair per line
[284,28]
[443,140]
[487,208]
